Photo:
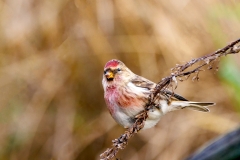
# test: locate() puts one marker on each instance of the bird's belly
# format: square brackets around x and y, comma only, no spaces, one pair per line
[153,118]
[124,108]
[123,118]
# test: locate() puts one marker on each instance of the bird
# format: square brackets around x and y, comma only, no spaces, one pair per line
[126,95]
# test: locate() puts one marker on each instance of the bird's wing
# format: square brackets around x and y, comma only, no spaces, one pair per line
[147,84]
[174,95]
[143,83]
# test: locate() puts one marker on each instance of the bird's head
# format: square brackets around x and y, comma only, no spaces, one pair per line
[115,70]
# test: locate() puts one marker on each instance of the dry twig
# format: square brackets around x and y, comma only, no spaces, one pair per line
[177,72]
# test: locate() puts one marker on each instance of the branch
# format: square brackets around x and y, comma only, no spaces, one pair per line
[177,72]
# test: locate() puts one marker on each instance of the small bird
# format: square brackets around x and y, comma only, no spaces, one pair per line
[126,94]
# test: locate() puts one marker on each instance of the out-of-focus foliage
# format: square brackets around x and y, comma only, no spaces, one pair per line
[230,73]
[52,55]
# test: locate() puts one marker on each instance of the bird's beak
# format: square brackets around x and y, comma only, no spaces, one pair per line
[109,75]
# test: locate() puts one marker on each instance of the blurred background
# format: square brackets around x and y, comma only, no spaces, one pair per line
[52,55]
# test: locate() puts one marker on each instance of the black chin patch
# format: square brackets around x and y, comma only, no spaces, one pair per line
[109,79]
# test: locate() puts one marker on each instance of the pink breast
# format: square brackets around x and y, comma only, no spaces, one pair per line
[118,98]
[110,99]
[128,100]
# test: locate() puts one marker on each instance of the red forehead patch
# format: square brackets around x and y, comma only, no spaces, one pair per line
[112,63]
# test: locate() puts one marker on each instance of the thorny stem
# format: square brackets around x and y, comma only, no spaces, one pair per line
[178,71]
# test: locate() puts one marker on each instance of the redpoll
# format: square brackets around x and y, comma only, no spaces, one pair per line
[126,94]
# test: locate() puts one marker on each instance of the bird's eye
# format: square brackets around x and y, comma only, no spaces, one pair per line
[105,72]
[119,69]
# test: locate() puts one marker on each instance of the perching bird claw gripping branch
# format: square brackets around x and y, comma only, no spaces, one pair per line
[178,72]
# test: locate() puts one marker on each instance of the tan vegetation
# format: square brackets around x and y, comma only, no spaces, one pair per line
[52,55]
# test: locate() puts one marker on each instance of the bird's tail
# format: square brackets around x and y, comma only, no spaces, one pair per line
[199,106]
